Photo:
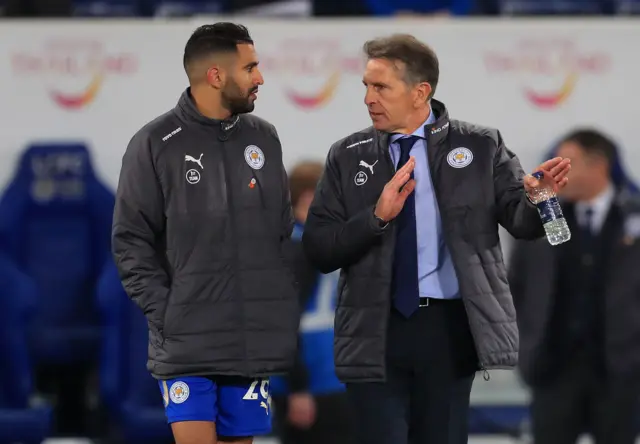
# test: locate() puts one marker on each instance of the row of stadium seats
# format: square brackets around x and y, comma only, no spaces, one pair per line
[503,7]
[63,301]
[175,8]
[561,7]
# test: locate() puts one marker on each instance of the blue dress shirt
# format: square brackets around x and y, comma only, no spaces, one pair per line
[436,274]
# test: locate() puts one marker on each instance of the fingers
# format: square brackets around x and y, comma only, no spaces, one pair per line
[407,189]
[562,174]
[563,166]
[563,182]
[403,174]
[556,168]
[551,163]
[531,182]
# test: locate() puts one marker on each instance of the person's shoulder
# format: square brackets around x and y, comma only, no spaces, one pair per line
[360,140]
[156,131]
[475,130]
[258,123]
[628,197]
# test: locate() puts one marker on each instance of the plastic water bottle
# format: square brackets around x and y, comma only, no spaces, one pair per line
[555,225]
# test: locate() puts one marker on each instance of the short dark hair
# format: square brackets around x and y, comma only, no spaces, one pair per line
[420,61]
[222,37]
[593,142]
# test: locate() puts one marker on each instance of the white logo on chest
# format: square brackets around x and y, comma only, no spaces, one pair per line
[361,178]
[366,165]
[254,157]
[189,158]
[459,157]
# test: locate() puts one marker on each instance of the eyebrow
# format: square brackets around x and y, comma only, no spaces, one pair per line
[251,65]
[374,83]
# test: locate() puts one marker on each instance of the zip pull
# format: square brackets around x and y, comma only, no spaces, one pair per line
[485,374]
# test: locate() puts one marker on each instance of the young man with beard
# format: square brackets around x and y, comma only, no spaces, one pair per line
[201,226]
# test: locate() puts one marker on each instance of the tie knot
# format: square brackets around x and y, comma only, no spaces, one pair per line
[406,143]
[587,217]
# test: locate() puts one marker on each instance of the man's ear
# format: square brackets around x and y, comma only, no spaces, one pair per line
[423,93]
[215,76]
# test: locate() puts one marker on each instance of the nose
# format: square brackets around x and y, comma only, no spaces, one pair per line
[259,80]
[369,97]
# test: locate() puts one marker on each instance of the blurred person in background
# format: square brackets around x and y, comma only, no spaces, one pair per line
[578,305]
[311,405]
[409,210]
[201,224]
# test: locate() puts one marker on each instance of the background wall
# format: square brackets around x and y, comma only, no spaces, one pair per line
[99,82]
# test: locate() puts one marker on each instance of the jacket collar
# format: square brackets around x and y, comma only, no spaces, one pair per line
[438,130]
[435,132]
[186,109]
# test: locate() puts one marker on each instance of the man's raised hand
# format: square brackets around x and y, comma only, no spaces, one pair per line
[395,192]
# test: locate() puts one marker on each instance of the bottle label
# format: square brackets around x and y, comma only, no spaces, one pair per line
[550,210]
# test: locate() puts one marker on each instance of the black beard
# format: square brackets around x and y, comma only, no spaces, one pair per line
[236,102]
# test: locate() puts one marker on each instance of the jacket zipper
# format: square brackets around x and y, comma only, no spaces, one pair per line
[260,190]
[234,235]
[485,373]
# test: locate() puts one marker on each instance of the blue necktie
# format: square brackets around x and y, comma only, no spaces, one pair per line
[405,263]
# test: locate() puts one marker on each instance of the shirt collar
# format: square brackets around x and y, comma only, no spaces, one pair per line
[418,132]
[600,203]
[599,206]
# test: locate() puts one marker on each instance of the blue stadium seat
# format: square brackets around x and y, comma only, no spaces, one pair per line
[133,398]
[185,8]
[55,224]
[550,7]
[106,8]
[19,421]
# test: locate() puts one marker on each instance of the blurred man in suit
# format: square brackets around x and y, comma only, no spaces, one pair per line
[578,307]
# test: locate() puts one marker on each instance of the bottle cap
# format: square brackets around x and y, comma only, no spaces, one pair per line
[538,175]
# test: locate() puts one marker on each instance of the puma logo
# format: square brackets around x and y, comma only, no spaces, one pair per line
[366,165]
[189,158]
[265,406]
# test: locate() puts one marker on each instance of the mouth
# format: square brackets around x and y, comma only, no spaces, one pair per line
[254,94]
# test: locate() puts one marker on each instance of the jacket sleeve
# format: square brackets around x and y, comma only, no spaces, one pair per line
[515,212]
[331,239]
[288,220]
[138,225]
[306,276]
[516,271]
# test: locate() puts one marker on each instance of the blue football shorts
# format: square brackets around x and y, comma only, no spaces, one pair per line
[238,406]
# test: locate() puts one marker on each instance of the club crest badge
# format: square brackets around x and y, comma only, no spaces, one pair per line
[254,157]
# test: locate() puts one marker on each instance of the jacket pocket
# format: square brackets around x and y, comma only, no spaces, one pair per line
[164,330]
[483,228]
